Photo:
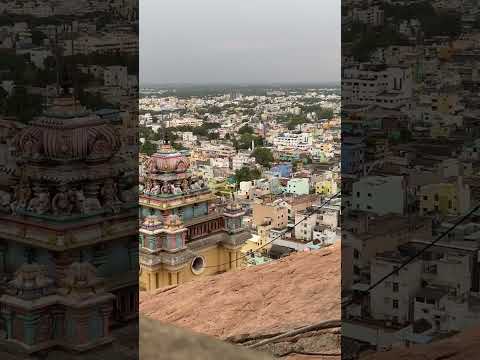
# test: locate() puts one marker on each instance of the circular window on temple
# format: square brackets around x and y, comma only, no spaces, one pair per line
[198,265]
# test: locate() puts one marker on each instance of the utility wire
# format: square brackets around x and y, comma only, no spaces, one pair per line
[280,235]
[416,255]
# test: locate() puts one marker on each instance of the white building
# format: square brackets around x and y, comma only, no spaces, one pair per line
[242,159]
[304,229]
[391,300]
[293,140]
[366,84]
[324,236]
[220,162]
[373,15]
[379,194]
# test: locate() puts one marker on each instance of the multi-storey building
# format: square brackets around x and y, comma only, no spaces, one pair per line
[276,212]
[371,15]
[445,198]
[389,87]
[379,194]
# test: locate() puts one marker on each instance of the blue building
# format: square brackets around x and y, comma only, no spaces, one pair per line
[282,170]
[353,155]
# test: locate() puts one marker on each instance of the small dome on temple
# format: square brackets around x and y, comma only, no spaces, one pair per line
[67,133]
[167,160]
[173,221]
[152,221]
[233,207]
[81,273]
[30,280]
[81,280]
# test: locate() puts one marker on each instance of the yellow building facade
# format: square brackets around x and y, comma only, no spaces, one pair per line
[444,198]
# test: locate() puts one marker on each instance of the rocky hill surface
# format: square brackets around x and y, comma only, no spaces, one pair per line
[257,302]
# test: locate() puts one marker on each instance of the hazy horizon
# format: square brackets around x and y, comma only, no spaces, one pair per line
[231,84]
[225,43]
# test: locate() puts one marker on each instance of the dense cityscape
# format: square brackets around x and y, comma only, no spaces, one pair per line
[274,152]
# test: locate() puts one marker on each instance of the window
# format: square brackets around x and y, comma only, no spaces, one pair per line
[395,287]
[198,265]
[395,304]
[430,301]
[419,299]
[356,253]
[430,268]
[425,197]
[436,197]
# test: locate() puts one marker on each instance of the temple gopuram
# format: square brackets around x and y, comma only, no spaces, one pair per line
[184,235]
[68,232]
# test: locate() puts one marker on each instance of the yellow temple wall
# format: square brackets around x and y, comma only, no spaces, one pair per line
[214,256]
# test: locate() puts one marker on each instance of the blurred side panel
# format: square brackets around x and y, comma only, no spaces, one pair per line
[69,179]
[410,165]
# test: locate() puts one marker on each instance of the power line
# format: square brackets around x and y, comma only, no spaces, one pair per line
[280,235]
[416,255]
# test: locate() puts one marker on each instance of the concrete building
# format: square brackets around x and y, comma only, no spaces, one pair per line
[371,15]
[273,212]
[379,194]
[391,301]
[304,229]
[367,84]
[353,155]
[293,140]
[298,186]
[446,198]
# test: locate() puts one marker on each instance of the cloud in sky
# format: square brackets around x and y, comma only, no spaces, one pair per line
[248,41]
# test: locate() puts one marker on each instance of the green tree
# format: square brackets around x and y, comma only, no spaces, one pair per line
[295,121]
[23,105]
[247,174]
[213,136]
[245,141]
[93,101]
[263,156]
[246,129]
[148,148]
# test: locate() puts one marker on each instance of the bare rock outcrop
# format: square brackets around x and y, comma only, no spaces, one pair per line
[259,302]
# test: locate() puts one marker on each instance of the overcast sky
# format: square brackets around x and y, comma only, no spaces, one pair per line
[241,41]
